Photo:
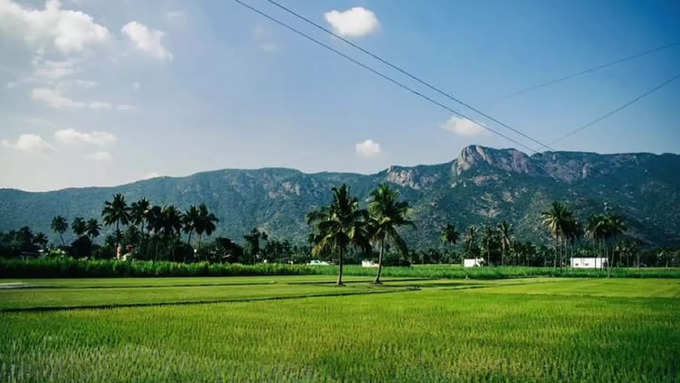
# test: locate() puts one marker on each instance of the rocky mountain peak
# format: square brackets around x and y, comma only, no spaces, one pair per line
[505,159]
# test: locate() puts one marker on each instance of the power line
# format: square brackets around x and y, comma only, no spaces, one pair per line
[591,70]
[380,74]
[620,108]
[406,73]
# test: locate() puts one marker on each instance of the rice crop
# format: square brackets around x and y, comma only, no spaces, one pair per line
[435,334]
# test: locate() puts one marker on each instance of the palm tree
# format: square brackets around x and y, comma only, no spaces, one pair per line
[488,235]
[560,222]
[386,215]
[138,213]
[171,221]
[596,230]
[206,223]
[470,240]
[116,213]
[449,234]
[59,226]
[190,221]
[339,225]
[93,228]
[79,226]
[505,236]
[253,240]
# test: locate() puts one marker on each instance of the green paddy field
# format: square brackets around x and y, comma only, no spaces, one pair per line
[303,328]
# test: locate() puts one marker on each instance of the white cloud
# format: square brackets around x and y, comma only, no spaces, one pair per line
[31,143]
[100,156]
[368,148]
[86,84]
[72,136]
[354,22]
[147,40]
[52,70]
[54,98]
[462,126]
[125,107]
[98,105]
[66,30]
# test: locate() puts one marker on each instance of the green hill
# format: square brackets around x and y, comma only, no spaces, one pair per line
[482,185]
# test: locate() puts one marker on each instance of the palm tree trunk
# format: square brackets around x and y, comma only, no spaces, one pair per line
[339,283]
[502,251]
[380,261]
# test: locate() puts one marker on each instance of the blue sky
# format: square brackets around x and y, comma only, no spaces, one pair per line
[102,93]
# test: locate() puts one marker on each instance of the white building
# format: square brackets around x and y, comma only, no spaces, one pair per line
[473,262]
[589,263]
[317,262]
[368,263]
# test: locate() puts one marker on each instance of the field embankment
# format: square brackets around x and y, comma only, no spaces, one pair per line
[74,268]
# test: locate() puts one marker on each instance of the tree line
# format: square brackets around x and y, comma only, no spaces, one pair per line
[342,231]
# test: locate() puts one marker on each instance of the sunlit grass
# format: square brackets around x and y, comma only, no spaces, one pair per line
[439,333]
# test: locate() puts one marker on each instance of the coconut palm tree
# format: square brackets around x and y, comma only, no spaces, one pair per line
[79,226]
[560,221]
[505,236]
[386,215]
[171,221]
[138,213]
[190,221]
[206,223]
[596,230]
[339,225]
[59,226]
[253,240]
[93,228]
[488,239]
[116,213]
[470,240]
[449,234]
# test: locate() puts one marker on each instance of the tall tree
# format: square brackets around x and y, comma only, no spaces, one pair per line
[505,236]
[190,221]
[79,226]
[449,234]
[560,221]
[386,215]
[488,241]
[59,226]
[470,240]
[116,212]
[339,225]
[138,213]
[93,228]
[253,241]
[206,223]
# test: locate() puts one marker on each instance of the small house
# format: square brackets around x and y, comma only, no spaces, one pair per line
[473,262]
[589,263]
[368,263]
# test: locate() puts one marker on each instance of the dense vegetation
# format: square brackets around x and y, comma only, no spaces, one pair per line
[604,330]
[341,231]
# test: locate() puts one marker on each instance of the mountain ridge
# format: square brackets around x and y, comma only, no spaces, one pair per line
[481,185]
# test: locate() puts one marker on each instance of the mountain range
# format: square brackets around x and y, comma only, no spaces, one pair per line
[481,186]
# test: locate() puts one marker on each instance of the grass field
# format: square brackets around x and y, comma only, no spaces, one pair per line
[302,328]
